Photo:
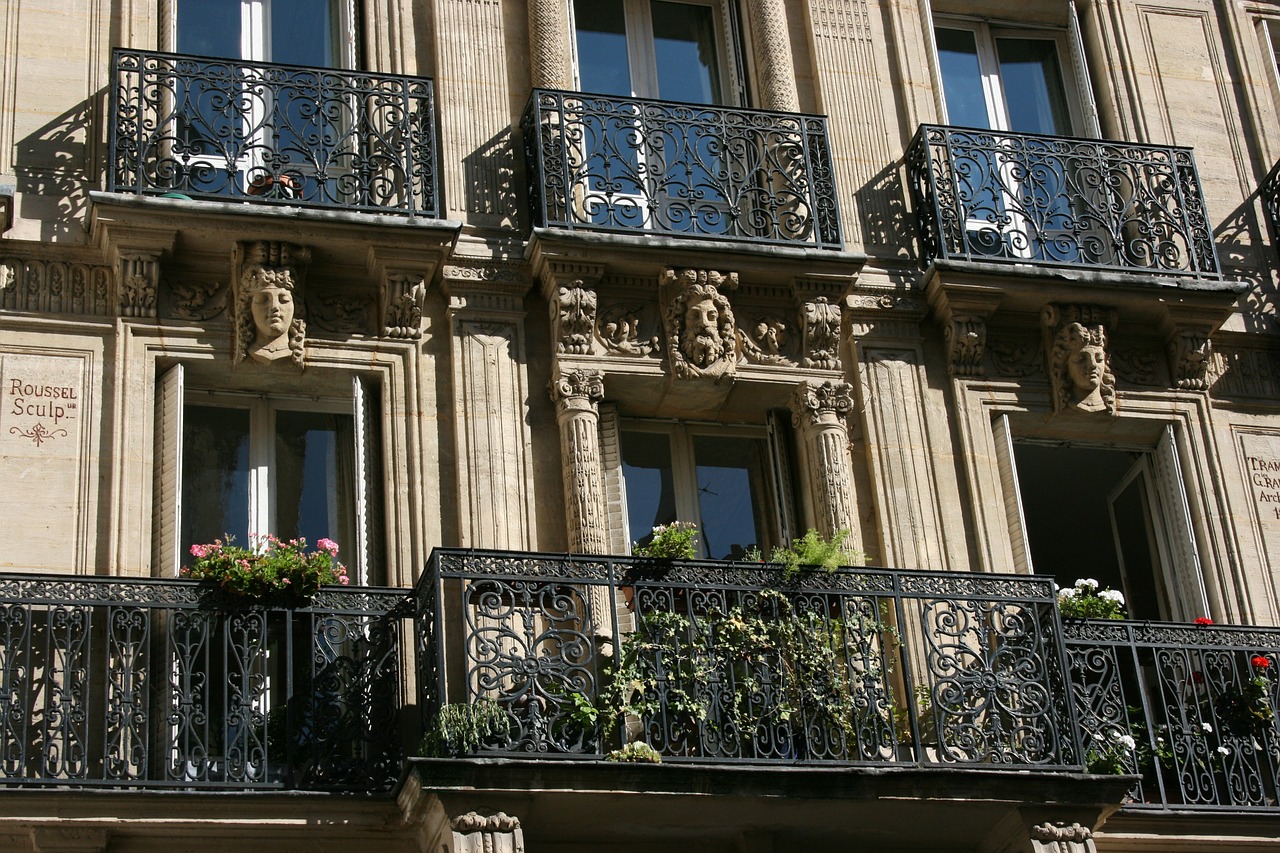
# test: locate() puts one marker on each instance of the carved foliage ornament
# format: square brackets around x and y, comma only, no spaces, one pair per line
[818,403]
[701,333]
[574,317]
[966,342]
[766,340]
[584,387]
[405,297]
[820,320]
[269,319]
[1191,354]
[1079,362]
[139,280]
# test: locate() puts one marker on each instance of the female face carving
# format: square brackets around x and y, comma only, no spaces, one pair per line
[272,311]
[1086,367]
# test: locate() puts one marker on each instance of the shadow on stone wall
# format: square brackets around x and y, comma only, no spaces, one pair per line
[1246,252]
[57,166]
[489,180]
[884,215]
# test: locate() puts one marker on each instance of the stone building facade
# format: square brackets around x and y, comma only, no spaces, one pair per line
[977,288]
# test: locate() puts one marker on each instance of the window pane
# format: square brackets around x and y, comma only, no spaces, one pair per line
[684,41]
[602,47]
[215,475]
[315,478]
[731,483]
[646,468]
[1033,88]
[304,32]
[961,78]
[209,28]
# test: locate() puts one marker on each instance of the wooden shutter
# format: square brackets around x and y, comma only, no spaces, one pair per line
[783,492]
[368,481]
[166,496]
[1080,67]
[1182,571]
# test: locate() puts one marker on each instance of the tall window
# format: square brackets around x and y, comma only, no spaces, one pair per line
[248,466]
[295,32]
[715,476]
[675,51]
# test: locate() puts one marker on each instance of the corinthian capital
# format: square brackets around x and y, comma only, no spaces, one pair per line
[818,403]
[578,388]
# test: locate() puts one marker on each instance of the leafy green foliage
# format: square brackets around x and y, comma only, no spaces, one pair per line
[462,728]
[636,752]
[812,550]
[674,541]
[1086,600]
[271,566]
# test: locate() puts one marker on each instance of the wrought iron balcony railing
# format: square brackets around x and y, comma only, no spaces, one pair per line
[231,129]
[151,683]
[1269,193]
[983,195]
[1190,709]
[735,663]
[604,163]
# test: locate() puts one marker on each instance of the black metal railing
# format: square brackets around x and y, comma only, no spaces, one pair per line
[983,195]
[1269,193]
[737,663]
[598,162]
[232,129]
[1190,709]
[172,683]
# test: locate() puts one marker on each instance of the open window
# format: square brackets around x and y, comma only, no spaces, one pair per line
[1119,515]
[722,478]
[238,129]
[251,465]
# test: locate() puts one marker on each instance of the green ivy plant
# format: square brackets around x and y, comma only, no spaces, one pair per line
[462,728]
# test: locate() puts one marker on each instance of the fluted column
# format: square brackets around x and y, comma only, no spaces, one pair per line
[819,412]
[773,56]
[549,35]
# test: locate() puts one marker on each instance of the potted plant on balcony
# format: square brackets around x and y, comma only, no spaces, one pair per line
[1087,599]
[271,567]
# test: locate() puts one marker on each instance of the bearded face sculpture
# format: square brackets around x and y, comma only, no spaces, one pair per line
[701,337]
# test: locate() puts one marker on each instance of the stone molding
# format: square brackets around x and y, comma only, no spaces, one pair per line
[485,287]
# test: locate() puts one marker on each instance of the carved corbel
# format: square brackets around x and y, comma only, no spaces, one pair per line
[702,341]
[268,308]
[1061,838]
[1190,356]
[497,833]
[139,283]
[1076,345]
[966,337]
[403,297]
[820,324]
[570,290]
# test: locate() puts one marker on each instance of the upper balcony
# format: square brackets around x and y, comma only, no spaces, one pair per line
[605,163]
[1050,201]
[233,130]
[526,657]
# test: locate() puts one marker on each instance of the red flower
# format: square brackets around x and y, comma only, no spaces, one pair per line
[1203,621]
[1260,662]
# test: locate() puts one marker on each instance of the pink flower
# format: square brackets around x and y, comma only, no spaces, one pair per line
[327,545]
[200,550]
[1203,621]
[287,581]
[1260,662]
[343,580]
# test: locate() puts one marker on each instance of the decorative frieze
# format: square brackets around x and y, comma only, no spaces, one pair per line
[630,329]
[1247,372]
[55,287]
[139,282]
[1015,359]
[268,322]
[1079,362]
[766,339]
[196,300]
[966,337]
[343,313]
[701,333]
[1136,365]
[1061,838]
[403,297]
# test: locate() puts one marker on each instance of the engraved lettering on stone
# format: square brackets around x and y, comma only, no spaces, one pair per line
[574,317]
[406,295]
[701,335]
[629,330]
[1079,363]
[766,340]
[820,320]
[966,337]
[139,279]
[42,409]
[269,321]
[1190,354]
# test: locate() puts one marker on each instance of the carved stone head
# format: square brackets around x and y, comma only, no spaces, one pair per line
[1079,364]
[701,340]
[269,322]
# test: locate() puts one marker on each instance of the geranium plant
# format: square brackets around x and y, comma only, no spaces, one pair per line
[1086,599]
[272,565]
[674,541]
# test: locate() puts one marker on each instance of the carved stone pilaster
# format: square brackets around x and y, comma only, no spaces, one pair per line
[1190,356]
[268,265]
[549,65]
[498,833]
[139,282]
[966,337]
[1079,360]
[403,298]
[576,394]
[1061,838]
[702,338]
[819,412]
[820,324]
[772,43]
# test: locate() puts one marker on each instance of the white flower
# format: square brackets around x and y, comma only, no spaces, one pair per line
[1223,751]
[1112,595]
[1069,592]
[1128,742]
[1081,583]
[1207,728]
[1098,736]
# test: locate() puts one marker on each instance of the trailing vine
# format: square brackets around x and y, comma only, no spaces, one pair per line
[462,728]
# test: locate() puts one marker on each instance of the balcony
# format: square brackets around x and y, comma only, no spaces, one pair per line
[719,667]
[1016,198]
[601,163]
[191,127]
